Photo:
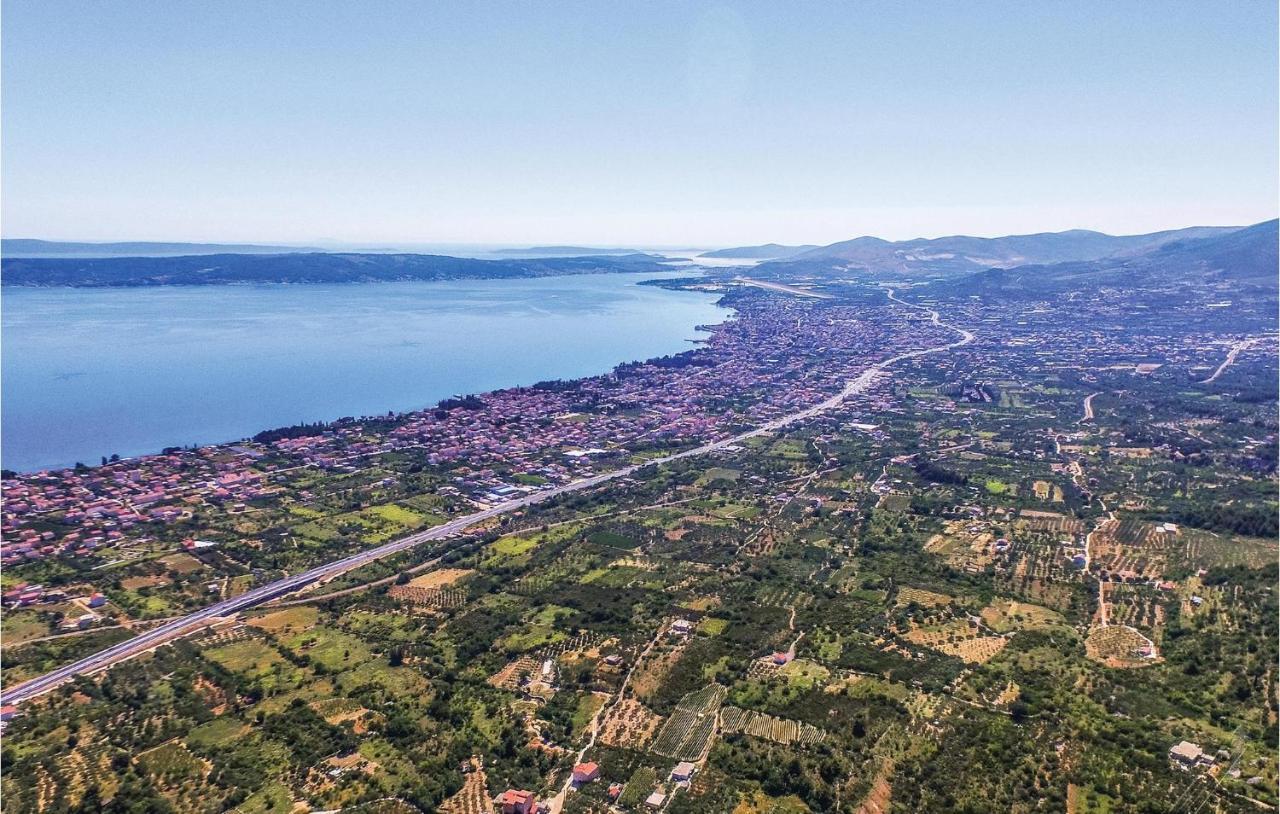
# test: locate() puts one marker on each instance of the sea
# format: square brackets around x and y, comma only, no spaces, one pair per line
[93,372]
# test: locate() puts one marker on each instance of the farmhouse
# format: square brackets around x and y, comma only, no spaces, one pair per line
[586,772]
[1187,755]
[683,771]
[517,801]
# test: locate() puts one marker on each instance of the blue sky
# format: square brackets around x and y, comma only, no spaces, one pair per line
[658,123]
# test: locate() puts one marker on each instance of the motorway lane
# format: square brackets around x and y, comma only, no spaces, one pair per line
[187,624]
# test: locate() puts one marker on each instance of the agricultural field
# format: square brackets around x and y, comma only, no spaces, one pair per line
[629,725]
[688,731]
[778,730]
[1118,646]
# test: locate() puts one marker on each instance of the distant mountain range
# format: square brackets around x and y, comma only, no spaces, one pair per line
[563,251]
[962,254]
[219,269]
[1051,261]
[27,247]
[769,251]
[1242,259]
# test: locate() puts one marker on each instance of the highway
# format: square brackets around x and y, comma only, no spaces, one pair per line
[1236,348]
[194,621]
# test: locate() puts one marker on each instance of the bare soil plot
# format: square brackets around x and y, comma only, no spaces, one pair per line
[877,800]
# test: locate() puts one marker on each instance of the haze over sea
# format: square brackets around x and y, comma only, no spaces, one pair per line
[89,372]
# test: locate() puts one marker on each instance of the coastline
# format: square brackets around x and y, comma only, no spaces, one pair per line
[702,332]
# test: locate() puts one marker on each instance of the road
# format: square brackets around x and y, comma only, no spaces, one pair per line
[1231,357]
[1088,407]
[194,621]
[557,803]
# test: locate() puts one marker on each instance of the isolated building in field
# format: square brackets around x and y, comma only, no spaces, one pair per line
[1187,755]
[586,772]
[517,801]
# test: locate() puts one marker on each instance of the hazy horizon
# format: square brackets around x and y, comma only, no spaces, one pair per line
[690,125]
[411,245]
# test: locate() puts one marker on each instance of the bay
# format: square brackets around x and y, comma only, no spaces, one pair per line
[129,371]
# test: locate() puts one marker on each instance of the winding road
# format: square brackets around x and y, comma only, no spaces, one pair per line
[191,623]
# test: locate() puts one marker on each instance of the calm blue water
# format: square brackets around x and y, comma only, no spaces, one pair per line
[91,372]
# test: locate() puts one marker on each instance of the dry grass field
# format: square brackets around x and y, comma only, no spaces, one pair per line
[440,578]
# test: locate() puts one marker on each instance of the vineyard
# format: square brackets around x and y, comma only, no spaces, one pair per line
[778,730]
[688,732]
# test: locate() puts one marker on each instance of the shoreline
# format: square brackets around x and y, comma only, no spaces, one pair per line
[704,332]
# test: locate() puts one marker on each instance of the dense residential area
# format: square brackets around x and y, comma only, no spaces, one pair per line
[995,548]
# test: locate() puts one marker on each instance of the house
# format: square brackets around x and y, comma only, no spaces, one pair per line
[615,790]
[517,801]
[97,600]
[781,658]
[1187,755]
[683,771]
[655,800]
[586,772]
[682,627]
[7,712]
